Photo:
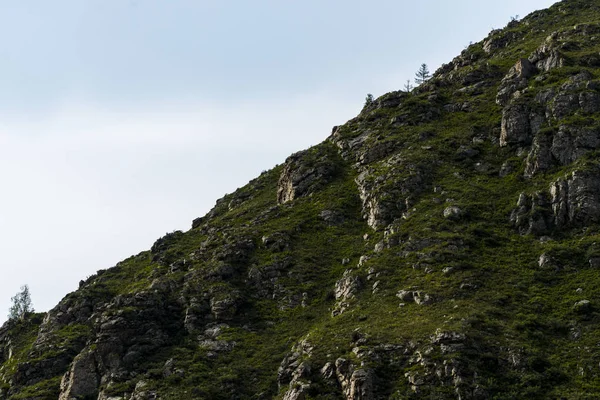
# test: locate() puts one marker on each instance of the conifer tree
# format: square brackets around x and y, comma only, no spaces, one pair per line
[422,74]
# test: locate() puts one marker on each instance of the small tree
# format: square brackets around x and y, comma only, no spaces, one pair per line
[21,304]
[368,99]
[422,74]
[408,87]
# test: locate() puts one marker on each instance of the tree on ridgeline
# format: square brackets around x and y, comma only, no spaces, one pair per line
[21,304]
[422,75]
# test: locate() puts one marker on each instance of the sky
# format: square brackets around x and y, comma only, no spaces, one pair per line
[122,120]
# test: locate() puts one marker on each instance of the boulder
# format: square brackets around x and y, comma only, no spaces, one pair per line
[453,213]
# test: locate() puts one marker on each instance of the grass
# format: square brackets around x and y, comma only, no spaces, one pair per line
[525,338]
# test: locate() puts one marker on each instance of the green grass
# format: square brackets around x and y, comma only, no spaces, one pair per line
[525,339]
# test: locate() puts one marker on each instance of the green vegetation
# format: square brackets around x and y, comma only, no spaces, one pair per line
[214,312]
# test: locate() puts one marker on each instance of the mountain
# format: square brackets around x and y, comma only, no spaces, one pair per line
[443,244]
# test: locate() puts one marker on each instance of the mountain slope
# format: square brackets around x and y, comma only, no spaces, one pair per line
[442,244]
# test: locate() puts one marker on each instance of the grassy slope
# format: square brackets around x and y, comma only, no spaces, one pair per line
[509,303]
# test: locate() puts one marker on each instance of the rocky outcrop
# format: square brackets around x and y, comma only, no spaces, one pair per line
[498,39]
[515,80]
[434,362]
[389,196]
[519,125]
[346,289]
[572,201]
[295,371]
[82,379]
[541,125]
[548,55]
[303,173]
[356,383]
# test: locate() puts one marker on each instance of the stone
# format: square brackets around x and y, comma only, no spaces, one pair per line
[571,201]
[547,56]
[224,308]
[498,39]
[583,307]
[547,262]
[422,299]
[82,379]
[347,286]
[453,213]
[464,152]
[328,371]
[540,157]
[331,217]
[303,173]
[296,391]
[515,127]
[405,295]
[515,80]
[356,384]
[216,345]
[387,197]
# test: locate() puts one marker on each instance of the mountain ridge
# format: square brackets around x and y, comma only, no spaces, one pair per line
[441,244]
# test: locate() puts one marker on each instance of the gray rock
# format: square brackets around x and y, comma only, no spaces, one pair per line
[347,287]
[82,379]
[564,104]
[331,217]
[276,242]
[583,307]
[422,299]
[405,295]
[453,213]
[515,80]
[594,262]
[356,384]
[141,392]
[388,196]
[562,147]
[540,157]
[516,126]
[328,371]
[532,215]
[498,39]
[223,308]
[303,173]
[216,345]
[572,201]
[547,56]
[296,391]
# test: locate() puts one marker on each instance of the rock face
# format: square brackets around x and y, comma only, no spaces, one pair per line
[545,124]
[432,247]
[389,197]
[356,383]
[303,173]
[82,379]
[572,201]
[519,125]
[515,80]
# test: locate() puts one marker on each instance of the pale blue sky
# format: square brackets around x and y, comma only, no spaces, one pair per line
[121,120]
